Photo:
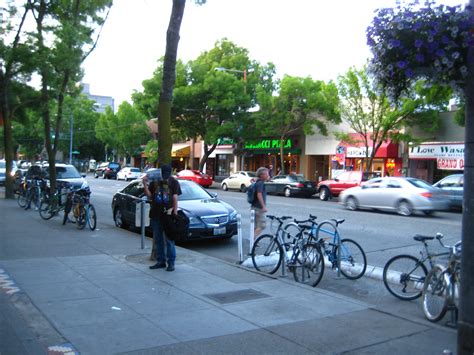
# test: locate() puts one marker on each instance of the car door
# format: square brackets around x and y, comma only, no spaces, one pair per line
[232,182]
[276,185]
[340,183]
[369,193]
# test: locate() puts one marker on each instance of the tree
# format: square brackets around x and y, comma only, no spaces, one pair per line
[15,66]
[435,43]
[301,104]
[106,128]
[369,112]
[62,40]
[211,104]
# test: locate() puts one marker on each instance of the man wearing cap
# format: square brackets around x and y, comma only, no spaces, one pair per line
[163,197]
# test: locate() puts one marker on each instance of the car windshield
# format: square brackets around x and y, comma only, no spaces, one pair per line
[251,174]
[192,191]
[298,178]
[419,183]
[135,170]
[67,172]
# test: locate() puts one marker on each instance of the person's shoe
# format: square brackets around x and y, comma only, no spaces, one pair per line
[158,266]
[170,268]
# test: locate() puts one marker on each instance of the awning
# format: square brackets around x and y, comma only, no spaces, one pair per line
[357,149]
[180,150]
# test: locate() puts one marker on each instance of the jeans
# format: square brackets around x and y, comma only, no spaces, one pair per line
[160,240]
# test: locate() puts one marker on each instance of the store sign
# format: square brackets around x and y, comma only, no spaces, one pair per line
[435,151]
[357,152]
[450,164]
[269,144]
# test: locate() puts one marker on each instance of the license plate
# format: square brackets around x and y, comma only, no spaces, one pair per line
[219,231]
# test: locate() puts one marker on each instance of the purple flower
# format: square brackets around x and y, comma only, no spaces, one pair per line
[440,53]
[409,73]
[402,64]
[420,58]
[394,43]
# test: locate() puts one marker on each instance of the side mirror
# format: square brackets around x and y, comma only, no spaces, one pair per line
[213,194]
[83,175]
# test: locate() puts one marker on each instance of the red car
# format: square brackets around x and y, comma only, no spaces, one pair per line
[196,176]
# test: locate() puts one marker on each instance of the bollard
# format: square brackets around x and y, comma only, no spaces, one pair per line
[252,229]
[239,238]
[142,223]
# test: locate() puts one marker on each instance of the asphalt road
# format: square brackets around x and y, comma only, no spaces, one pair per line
[381,235]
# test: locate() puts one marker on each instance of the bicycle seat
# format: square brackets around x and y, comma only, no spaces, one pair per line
[422,238]
[338,221]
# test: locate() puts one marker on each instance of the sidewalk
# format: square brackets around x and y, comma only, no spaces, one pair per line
[92,292]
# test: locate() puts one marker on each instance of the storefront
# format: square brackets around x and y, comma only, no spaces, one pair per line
[221,163]
[352,156]
[266,152]
[180,153]
[431,161]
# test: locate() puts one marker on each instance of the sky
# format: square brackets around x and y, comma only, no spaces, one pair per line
[317,38]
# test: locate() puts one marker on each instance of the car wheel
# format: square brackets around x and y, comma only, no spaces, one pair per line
[243,188]
[351,203]
[287,192]
[224,187]
[404,208]
[118,218]
[324,194]
[96,176]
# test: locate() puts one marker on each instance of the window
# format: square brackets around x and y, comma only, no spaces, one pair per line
[136,189]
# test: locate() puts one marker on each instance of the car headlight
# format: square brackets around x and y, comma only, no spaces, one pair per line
[195,222]
[233,216]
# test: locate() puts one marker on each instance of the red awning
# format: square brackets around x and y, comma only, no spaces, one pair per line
[386,150]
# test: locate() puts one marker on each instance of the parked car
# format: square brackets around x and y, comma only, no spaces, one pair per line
[196,176]
[128,173]
[107,170]
[67,173]
[347,179]
[240,180]
[453,186]
[210,218]
[403,195]
[290,185]
[3,169]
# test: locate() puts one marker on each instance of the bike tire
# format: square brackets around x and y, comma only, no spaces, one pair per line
[22,199]
[267,254]
[435,294]
[403,277]
[46,210]
[309,267]
[292,231]
[81,218]
[353,259]
[91,217]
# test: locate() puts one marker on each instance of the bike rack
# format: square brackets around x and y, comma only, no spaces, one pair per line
[331,223]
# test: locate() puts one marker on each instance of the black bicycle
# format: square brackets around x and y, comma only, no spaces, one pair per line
[404,275]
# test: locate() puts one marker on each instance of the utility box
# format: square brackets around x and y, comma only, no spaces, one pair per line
[146,214]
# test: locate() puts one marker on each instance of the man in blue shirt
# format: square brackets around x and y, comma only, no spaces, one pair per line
[259,204]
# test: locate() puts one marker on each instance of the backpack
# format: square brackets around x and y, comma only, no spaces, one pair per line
[251,191]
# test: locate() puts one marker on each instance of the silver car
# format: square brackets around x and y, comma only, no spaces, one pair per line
[453,186]
[403,195]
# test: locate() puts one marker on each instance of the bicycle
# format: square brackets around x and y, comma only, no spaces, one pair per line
[22,193]
[34,192]
[441,286]
[353,261]
[83,210]
[269,251]
[52,204]
[404,275]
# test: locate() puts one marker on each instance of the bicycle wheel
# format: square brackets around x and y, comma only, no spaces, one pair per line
[91,217]
[46,209]
[36,197]
[435,294]
[22,198]
[309,267]
[81,219]
[353,259]
[267,254]
[403,276]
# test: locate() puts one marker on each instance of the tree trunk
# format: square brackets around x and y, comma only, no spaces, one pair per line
[466,311]
[207,152]
[7,134]
[169,78]
[166,94]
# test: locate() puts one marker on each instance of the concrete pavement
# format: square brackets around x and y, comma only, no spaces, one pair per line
[62,289]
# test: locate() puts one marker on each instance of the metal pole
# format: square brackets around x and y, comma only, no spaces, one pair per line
[239,238]
[338,252]
[142,223]
[252,229]
[71,121]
